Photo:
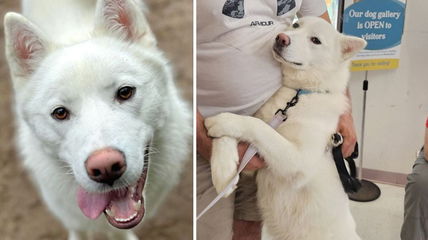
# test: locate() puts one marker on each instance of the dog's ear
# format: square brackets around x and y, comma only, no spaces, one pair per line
[351,46]
[123,19]
[25,45]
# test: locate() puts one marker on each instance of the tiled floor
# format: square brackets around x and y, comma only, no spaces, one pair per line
[382,218]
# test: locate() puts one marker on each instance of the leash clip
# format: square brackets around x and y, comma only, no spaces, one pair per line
[283,113]
[288,105]
[336,139]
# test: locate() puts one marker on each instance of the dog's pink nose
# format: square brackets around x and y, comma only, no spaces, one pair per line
[282,40]
[105,165]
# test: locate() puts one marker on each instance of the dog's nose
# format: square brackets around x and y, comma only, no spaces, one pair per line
[282,40]
[105,165]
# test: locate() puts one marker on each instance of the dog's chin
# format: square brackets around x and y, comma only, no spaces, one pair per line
[123,207]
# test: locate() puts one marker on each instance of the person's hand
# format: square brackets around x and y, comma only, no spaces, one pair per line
[255,163]
[203,141]
[347,129]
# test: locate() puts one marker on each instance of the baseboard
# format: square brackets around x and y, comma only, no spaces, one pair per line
[398,179]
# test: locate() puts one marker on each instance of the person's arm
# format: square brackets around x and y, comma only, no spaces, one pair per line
[347,129]
[426,141]
[203,141]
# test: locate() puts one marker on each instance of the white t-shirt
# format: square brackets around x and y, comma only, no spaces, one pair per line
[235,68]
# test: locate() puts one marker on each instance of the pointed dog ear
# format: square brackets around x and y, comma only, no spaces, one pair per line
[351,46]
[25,45]
[124,20]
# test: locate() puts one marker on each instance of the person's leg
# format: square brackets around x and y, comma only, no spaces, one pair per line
[217,223]
[247,230]
[247,224]
[415,225]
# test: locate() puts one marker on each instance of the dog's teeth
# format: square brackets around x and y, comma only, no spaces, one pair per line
[137,205]
[126,219]
[132,216]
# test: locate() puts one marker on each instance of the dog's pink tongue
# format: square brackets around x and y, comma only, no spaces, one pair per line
[92,204]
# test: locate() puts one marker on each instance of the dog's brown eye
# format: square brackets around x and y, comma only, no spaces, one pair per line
[125,93]
[296,25]
[315,40]
[60,113]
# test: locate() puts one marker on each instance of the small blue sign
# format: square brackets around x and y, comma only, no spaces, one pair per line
[379,22]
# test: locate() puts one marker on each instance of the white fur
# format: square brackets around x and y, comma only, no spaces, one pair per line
[299,192]
[77,54]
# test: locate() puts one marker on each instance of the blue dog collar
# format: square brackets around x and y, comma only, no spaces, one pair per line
[306,91]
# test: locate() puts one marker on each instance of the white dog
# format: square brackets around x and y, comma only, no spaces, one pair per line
[101,127]
[300,194]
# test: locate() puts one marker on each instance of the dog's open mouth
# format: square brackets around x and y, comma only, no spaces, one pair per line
[126,207]
[123,208]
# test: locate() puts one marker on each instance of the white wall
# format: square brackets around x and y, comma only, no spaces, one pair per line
[397,100]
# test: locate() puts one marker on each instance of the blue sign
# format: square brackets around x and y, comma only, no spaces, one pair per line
[379,22]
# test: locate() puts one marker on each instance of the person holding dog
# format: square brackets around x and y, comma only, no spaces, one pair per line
[415,225]
[237,73]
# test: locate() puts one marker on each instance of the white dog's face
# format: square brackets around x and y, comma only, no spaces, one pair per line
[83,84]
[102,95]
[313,45]
[309,39]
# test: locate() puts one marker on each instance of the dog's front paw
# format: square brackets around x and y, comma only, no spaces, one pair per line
[224,124]
[224,164]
